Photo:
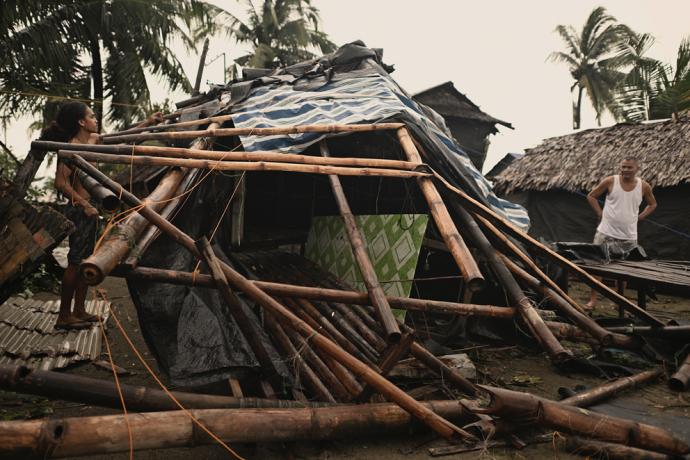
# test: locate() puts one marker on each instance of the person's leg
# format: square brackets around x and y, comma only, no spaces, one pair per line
[67,288]
[80,298]
[593,298]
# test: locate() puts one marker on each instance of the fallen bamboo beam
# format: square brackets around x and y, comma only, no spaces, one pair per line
[602,335]
[378,297]
[603,450]
[225,132]
[78,436]
[679,333]
[240,165]
[603,392]
[524,408]
[318,293]
[456,245]
[182,124]
[105,197]
[680,380]
[480,209]
[565,331]
[441,426]
[216,155]
[70,387]
[516,296]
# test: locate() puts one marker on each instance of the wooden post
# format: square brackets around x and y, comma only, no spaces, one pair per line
[479,208]
[200,69]
[441,426]
[456,245]
[376,294]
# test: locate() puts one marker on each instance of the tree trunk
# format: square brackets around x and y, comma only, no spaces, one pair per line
[577,106]
[97,77]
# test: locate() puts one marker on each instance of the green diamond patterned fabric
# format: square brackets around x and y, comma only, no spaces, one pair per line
[393,242]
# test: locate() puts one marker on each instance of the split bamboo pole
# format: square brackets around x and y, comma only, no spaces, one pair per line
[77,436]
[246,326]
[218,155]
[516,296]
[441,426]
[323,294]
[240,165]
[586,323]
[119,242]
[610,389]
[225,132]
[70,387]
[480,209]
[680,380]
[366,268]
[97,266]
[456,245]
[529,409]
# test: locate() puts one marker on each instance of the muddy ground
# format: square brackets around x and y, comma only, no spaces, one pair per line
[515,367]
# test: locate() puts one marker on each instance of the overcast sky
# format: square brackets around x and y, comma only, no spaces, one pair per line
[494,52]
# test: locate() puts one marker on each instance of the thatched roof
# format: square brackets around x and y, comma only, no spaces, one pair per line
[579,161]
[449,102]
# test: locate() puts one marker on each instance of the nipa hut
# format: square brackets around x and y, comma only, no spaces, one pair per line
[469,125]
[552,180]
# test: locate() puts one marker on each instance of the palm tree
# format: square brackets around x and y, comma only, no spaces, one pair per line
[633,94]
[592,62]
[653,90]
[281,33]
[93,50]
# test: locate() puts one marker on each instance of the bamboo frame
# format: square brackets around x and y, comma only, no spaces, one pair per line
[225,132]
[441,426]
[216,155]
[366,268]
[456,245]
[240,165]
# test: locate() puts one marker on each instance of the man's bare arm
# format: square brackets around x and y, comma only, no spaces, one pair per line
[593,196]
[649,199]
[63,184]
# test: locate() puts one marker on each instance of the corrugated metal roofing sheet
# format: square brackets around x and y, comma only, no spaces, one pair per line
[28,336]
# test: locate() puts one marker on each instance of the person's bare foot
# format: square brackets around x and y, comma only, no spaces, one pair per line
[86,317]
[589,306]
[71,322]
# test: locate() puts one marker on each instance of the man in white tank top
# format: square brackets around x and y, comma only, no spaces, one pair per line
[618,220]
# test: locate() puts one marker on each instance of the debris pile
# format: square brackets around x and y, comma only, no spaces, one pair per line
[253,309]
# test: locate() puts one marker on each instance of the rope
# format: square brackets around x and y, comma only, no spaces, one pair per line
[117,385]
[167,391]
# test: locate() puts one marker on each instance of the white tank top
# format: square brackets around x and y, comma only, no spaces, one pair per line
[621,209]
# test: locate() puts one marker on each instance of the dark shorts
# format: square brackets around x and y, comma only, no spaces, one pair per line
[83,239]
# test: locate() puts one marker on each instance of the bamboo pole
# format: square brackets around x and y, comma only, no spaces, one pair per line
[389,359]
[218,155]
[680,380]
[70,387]
[603,392]
[225,132]
[566,331]
[441,426]
[323,294]
[478,208]
[118,243]
[516,296]
[530,409]
[604,450]
[366,268]
[543,277]
[240,165]
[301,370]
[590,326]
[105,197]
[456,245]
[171,126]
[97,266]
[77,436]
[247,328]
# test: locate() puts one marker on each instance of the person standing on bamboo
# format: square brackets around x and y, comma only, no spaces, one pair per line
[618,220]
[76,123]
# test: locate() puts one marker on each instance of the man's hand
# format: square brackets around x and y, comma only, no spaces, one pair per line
[154,118]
